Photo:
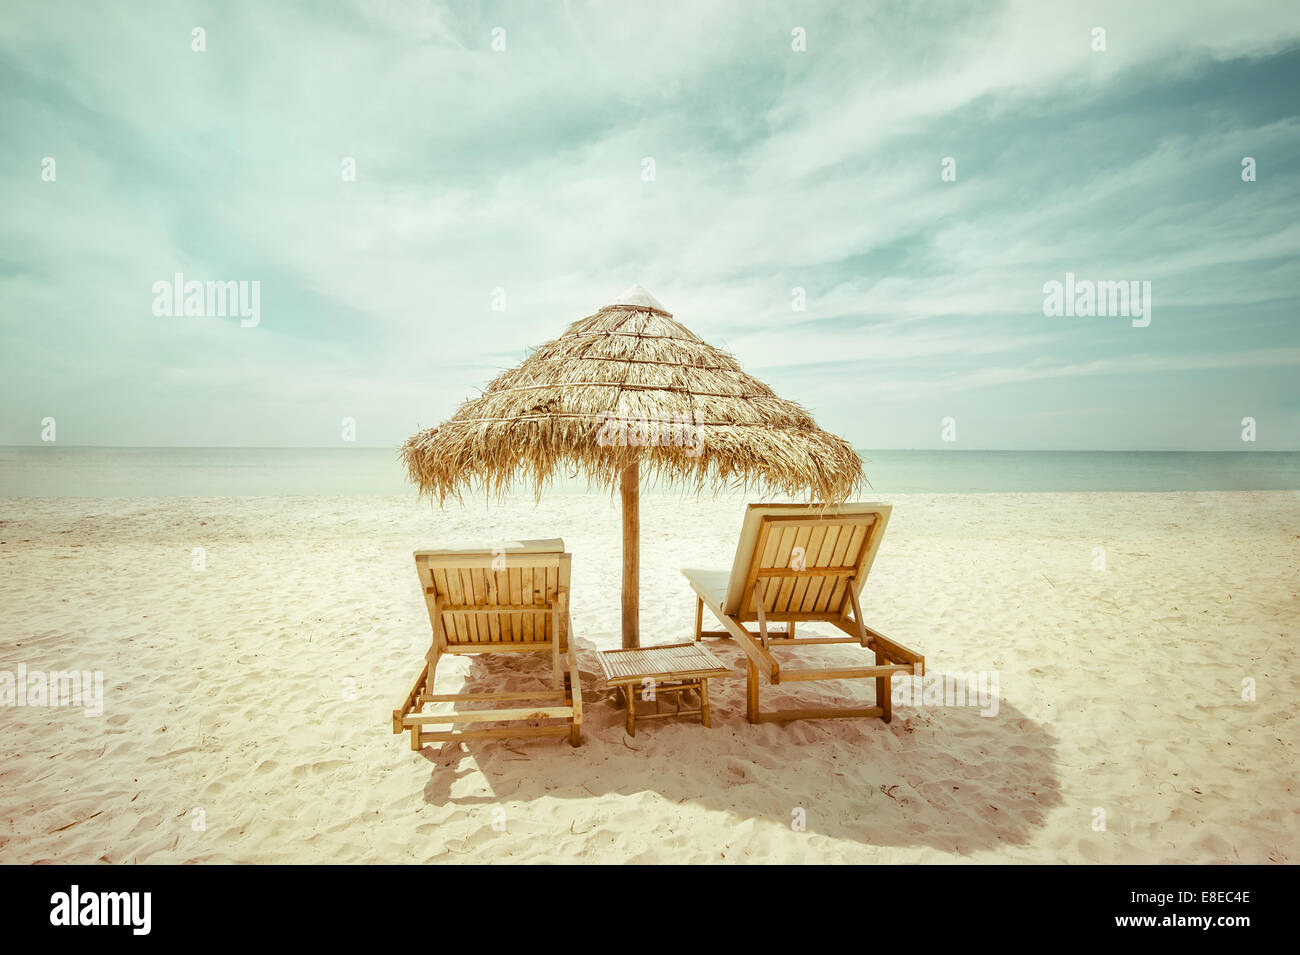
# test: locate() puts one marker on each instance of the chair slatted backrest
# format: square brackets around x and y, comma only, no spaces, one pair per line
[499,596]
[801,558]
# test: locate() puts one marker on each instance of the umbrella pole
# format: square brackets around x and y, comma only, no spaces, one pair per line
[630,491]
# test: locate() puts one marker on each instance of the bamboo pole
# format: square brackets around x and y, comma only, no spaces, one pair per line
[629,490]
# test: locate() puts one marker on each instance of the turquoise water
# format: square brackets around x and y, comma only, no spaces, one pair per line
[52,471]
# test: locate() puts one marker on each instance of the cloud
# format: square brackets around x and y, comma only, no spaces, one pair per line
[522,170]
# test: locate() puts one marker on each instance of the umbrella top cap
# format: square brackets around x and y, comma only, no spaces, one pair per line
[638,297]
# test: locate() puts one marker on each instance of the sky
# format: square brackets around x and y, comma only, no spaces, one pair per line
[502,190]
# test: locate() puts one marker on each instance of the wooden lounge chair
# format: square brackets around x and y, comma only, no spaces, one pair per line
[798,563]
[513,599]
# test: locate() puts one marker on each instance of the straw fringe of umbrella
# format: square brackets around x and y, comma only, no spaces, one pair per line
[631,385]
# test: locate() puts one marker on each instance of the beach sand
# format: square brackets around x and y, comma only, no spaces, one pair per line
[247,709]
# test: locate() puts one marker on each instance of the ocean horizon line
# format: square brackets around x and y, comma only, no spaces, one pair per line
[99,471]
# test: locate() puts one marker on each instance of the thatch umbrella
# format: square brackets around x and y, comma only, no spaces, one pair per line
[623,389]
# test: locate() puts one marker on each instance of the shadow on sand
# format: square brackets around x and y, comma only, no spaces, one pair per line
[946,777]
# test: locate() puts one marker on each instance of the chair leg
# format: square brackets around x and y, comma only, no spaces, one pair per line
[699,619]
[428,688]
[575,735]
[751,690]
[432,658]
[704,703]
[631,709]
[884,692]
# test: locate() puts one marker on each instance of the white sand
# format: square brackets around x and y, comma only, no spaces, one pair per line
[225,689]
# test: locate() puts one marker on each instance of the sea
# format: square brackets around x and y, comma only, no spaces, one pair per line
[63,471]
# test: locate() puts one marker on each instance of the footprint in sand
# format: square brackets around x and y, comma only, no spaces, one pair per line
[324,766]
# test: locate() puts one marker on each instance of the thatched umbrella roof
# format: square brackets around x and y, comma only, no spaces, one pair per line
[590,402]
[621,390]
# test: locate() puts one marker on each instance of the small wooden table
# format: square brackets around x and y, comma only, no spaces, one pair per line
[670,669]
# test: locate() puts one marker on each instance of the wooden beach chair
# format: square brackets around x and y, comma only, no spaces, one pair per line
[513,599]
[798,563]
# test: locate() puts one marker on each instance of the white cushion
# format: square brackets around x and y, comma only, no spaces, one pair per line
[712,582]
